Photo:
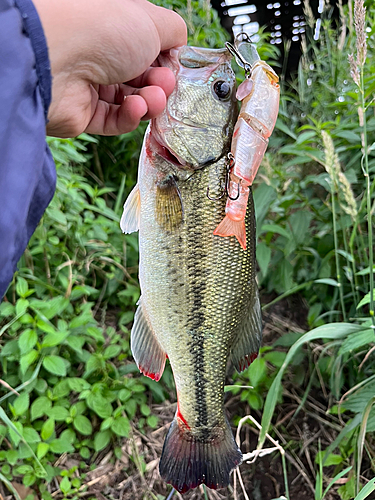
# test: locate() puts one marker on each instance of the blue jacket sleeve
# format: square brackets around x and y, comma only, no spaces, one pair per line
[27,170]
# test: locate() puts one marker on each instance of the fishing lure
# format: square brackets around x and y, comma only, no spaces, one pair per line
[259,94]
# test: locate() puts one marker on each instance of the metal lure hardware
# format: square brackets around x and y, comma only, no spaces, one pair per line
[230,165]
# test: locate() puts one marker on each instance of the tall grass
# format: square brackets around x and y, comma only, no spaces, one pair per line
[327,152]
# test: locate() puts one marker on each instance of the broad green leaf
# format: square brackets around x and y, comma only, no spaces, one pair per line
[331,459]
[111,351]
[332,331]
[83,425]
[366,299]
[57,215]
[358,400]
[59,413]
[78,384]
[96,333]
[145,410]
[45,326]
[28,359]
[365,271]
[102,439]
[21,306]
[15,431]
[81,320]
[6,309]
[21,404]
[48,429]
[100,405]
[273,228]
[55,365]
[27,340]
[263,257]
[357,340]
[60,446]
[30,435]
[263,197]
[257,371]
[300,222]
[54,338]
[152,421]
[21,287]
[12,456]
[121,427]
[42,450]
[65,485]
[76,342]
[40,407]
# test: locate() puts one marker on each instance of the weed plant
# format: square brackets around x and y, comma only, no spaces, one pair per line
[315,205]
[68,382]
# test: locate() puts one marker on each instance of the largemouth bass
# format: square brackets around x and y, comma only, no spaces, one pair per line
[199,305]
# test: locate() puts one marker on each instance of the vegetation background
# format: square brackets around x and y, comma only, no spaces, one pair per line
[77,418]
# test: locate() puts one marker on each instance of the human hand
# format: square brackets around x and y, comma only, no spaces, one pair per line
[95,46]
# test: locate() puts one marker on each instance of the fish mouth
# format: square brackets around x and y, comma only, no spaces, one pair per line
[160,148]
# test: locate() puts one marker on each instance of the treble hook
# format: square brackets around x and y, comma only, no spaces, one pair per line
[214,199]
[230,165]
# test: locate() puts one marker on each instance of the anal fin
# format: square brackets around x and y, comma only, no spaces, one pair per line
[148,354]
[131,215]
[249,335]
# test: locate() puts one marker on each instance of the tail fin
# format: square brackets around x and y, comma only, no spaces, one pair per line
[189,460]
[229,227]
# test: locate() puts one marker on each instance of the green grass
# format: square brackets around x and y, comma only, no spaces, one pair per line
[69,384]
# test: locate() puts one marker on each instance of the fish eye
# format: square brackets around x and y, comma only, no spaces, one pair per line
[222,89]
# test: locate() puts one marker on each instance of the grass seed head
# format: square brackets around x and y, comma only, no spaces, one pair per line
[354,72]
[360,29]
[350,205]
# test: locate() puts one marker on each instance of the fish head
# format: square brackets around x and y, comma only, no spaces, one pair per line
[196,127]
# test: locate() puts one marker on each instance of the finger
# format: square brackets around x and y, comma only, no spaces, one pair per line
[161,77]
[170,26]
[156,101]
[112,119]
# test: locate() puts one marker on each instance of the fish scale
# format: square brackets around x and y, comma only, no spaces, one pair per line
[199,305]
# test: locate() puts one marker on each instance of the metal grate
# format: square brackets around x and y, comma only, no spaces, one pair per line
[285,20]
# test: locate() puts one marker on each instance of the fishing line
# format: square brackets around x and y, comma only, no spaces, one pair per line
[171,494]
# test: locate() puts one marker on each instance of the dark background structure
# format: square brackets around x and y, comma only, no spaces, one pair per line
[284,19]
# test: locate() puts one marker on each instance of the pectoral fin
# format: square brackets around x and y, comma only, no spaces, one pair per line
[247,342]
[169,209]
[148,354]
[131,215]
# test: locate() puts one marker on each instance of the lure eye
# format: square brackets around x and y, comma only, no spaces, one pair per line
[222,89]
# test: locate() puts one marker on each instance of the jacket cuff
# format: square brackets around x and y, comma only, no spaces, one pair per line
[33,28]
